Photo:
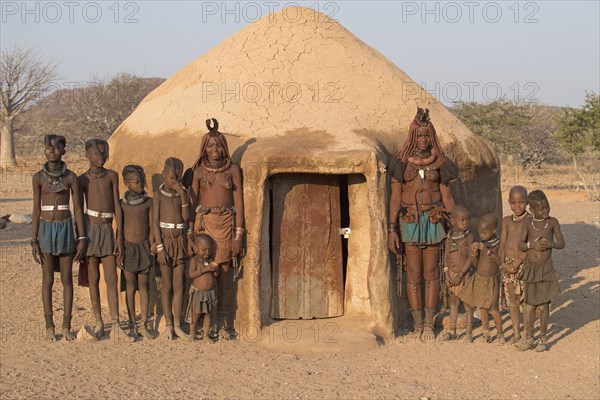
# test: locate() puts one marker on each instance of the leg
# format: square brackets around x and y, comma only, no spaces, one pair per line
[66,277]
[528,343]
[224,294]
[195,318]
[212,334]
[178,286]
[469,312]
[494,310]
[515,312]
[47,283]
[451,332]
[94,279]
[166,288]
[414,261]
[431,273]
[131,281]
[544,319]
[485,324]
[109,265]
[144,288]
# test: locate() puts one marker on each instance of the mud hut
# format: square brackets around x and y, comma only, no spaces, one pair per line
[313,116]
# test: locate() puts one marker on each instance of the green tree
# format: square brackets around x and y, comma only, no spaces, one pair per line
[578,131]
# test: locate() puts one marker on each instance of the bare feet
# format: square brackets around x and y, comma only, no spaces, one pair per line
[448,335]
[117,333]
[99,328]
[145,332]
[427,333]
[501,340]
[67,334]
[486,336]
[541,346]
[226,334]
[515,340]
[526,344]
[180,333]
[469,337]
[213,336]
[169,331]
[50,336]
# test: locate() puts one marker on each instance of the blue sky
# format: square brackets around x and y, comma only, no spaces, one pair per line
[534,51]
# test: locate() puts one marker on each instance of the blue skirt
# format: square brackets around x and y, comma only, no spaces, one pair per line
[422,232]
[56,237]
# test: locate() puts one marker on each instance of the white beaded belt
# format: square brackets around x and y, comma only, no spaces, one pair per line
[171,226]
[98,214]
[62,207]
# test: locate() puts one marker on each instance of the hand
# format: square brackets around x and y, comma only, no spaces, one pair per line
[119,252]
[394,242]
[36,253]
[178,187]
[163,258]
[236,247]
[457,279]
[537,245]
[212,267]
[81,250]
[447,279]
[190,248]
[474,249]
[545,244]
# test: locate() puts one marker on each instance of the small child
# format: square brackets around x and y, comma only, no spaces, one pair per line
[539,278]
[457,262]
[99,187]
[170,217]
[482,288]
[203,293]
[511,257]
[53,238]
[136,259]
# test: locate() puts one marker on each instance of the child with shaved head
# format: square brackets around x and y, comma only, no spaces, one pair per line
[511,257]
[482,288]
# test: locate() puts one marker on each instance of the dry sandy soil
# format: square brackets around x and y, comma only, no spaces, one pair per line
[334,358]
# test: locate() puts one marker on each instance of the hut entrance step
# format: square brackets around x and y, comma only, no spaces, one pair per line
[308,255]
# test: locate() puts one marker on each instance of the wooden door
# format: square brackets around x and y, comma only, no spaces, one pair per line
[306,247]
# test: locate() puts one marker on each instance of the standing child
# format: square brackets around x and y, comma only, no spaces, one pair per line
[511,257]
[170,219]
[482,288]
[99,187]
[203,293]
[457,262]
[136,259]
[539,278]
[52,236]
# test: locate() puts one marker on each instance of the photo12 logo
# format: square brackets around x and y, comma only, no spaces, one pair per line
[53,12]
[453,12]
[251,11]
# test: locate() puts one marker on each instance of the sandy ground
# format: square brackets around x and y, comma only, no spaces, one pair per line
[336,358]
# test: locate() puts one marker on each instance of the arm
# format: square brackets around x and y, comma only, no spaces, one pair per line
[503,239]
[523,246]
[118,215]
[185,205]
[150,224]
[447,198]
[161,254]
[35,217]
[238,203]
[395,203]
[76,194]
[560,241]
[195,269]
[470,260]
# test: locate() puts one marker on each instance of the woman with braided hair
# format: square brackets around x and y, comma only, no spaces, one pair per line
[219,212]
[419,195]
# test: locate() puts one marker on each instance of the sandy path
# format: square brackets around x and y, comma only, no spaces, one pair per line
[339,360]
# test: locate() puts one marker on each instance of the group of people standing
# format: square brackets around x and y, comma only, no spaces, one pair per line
[203,223]
[426,227]
[199,216]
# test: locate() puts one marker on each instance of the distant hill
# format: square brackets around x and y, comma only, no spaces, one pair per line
[79,114]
